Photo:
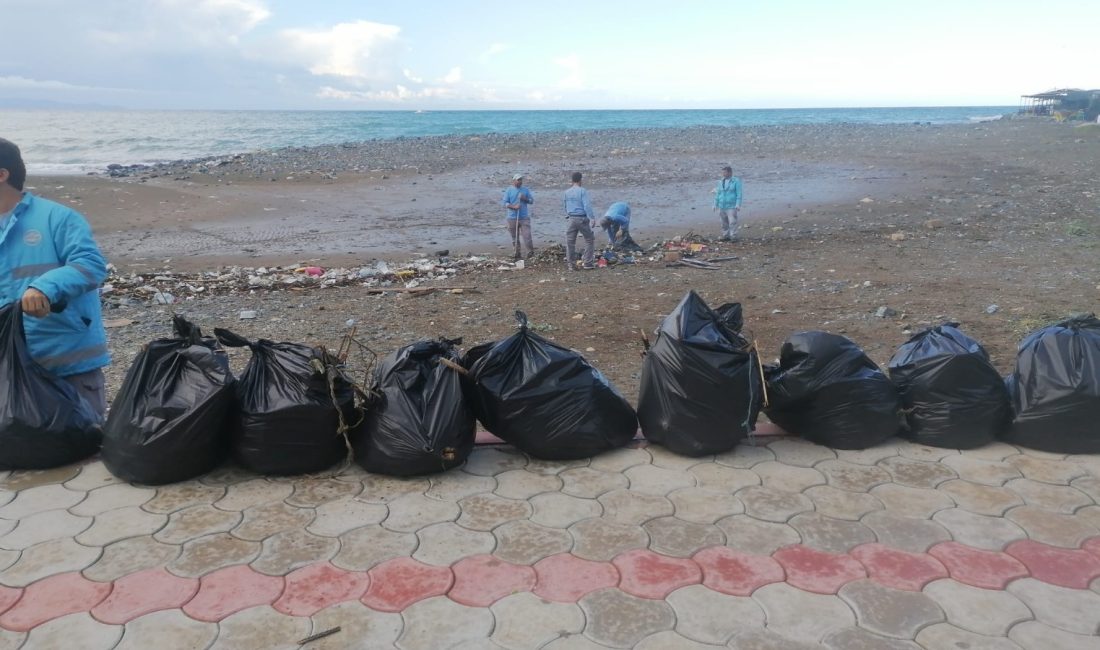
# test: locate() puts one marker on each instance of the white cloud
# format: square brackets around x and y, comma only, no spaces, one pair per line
[409,75]
[454,76]
[23,83]
[574,76]
[400,93]
[175,25]
[494,50]
[361,51]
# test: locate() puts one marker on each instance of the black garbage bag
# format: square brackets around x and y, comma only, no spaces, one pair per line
[287,420]
[170,419]
[420,421]
[43,420]
[545,399]
[701,388]
[1055,388]
[828,391]
[952,395]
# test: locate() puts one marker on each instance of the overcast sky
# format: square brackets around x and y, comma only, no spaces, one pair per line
[428,54]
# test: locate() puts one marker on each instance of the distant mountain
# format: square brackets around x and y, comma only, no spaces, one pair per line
[23,103]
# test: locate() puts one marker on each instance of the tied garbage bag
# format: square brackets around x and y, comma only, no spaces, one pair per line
[828,391]
[294,408]
[43,420]
[1055,388]
[701,386]
[545,399]
[420,422]
[169,421]
[951,394]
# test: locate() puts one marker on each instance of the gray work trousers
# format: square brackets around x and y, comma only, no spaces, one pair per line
[729,222]
[520,231]
[91,386]
[579,225]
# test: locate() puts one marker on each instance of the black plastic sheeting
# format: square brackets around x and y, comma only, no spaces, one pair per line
[952,395]
[420,421]
[828,391]
[546,400]
[285,420]
[43,420]
[701,388]
[1055,388]
[170,419]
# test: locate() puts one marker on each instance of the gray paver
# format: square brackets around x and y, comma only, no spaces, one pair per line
[423,632]
[455,486]
[830,535]
[856,638]
[41,499]
[447,543]
[526,621]
[918,503]
[600,539]
[521,484]
[916,451]
[411,512]
[890,612]
[47,559]
[982,611]
[487,511]
[720,478]
[110,497]
[263,521]
[852,476]
[917,474]
[977,470]
[1033,634]
[312,492]
[704,506]
[982,499]
[130,556]
[629,507]
[574,642]
[679,538]
[842,504]
[904,533]
[949,637]
[750,535]
[61,633]
[787,478]
[205,554]
[11,640]
[261,627]
[650,479]
[367,546]
[167,630]
[991,533]
[1046,470]
[770,504]
[338,516]
[1089,485]
[253,492]
[382,489]
[769,640]
[871,455]
[92,475]
[1072,610]
[196,521]
[115,525]
[545,466]
[590,483]
[799,452]
[801,615]
[558,510]
[668,460]
[44,527]
[491,462]
[619,620]
[670,639]
[709,616]
[995,450]
[26,479]
[620,459]
[177,496]
[745,456]
[525,542]
[283,552]
[1052,528]
[360,627]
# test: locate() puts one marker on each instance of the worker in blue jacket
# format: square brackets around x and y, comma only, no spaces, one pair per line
[52,266]
[615,222]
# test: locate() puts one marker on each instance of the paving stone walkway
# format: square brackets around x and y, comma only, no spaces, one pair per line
[782,545]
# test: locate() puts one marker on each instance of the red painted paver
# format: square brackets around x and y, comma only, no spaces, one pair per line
[8,597]
[650,575]
[898,569]
[1073,568]
[816,571]
[142,593]
[734,573]
[315,587]
[230,590]
[1092,546]
[395,584]
[481,580]
[54,597]
[566,578]
[978,567]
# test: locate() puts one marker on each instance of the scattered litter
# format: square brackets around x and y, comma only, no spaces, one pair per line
[248,314]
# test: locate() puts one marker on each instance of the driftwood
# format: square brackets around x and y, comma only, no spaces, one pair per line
[695,264]
[420,290]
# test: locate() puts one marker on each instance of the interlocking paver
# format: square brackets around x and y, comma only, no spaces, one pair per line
[842,504]
[1089,485]
[890,612]
[1046,470]
[917,474]
[751,535]
[666,459]
[978,567]
[769,640]
[487,511]
[491,462]
[905,533]
[196,521]
[567,578]
[713,617]
[770,504]
[51,598]
[230,590]
[670,639]
[853,477]
[546,466]
[178,496]
[744,456]
[142,593]
[521,484]
[411,512]
[253,492]
[720,478]
[44,527]
[360,627]
[737,574]
[396,584]
[381,489]
[703,505]
[130,556]
[856,638]
[338,516]
[871,455]
[525,542]
[367,546]
[260,627]
[620,459]
[787,478]
[263,521]
[916,451]
[291,549]
[61,632]
[1032,634]
[312,492]
[115,525]
[650,479]
[39,500]
[983,611]
[423,632]
[600,539]
[47,559]
[1072,610]
[8,597]
[977,470]
[619,620]
[1074,568]
[817,571]
[982,499]
[1054,498]
[455,486]
[557,510]
[8,558]
[650,575]
[110,497]
[26,479]
[801,453]
[446,543]
[830,535]
[676,537]
[91,475]
[1051,527]
[980,531]
[167,630]
[310,589]
[995,450]
[629,507]
[802,615]
[205,554]
[899,569]
[481,580]
[944,635]
[524,621]
[918,503]
[227,474]
[590,483]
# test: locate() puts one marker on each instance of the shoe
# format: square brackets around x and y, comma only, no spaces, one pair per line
[725,238]
[588,267]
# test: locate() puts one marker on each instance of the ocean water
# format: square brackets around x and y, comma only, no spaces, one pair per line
[75,141]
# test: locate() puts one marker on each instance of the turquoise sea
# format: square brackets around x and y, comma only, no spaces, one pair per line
[73,141]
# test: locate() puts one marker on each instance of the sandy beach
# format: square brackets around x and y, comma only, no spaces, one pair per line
[994,225]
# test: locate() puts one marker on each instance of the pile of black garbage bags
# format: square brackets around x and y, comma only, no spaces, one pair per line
[293,410]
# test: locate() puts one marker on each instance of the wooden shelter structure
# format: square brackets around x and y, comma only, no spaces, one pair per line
[1060,100]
